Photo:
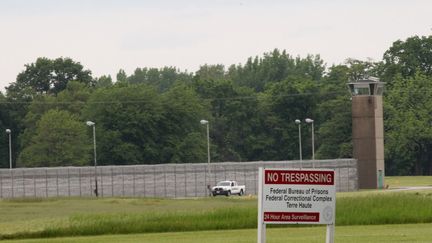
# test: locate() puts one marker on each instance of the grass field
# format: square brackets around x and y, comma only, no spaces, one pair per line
[404,181]
[81,217]
[42,218]
[346,234]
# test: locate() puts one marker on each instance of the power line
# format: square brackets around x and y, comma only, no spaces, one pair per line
[144,101]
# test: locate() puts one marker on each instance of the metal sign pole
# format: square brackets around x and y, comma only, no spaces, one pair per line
[261,226]
[330,233]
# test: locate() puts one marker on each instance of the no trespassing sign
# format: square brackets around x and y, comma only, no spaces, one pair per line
[294,196]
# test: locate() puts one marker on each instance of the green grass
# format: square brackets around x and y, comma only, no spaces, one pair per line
[404,181]
[346,234]
[40,218]
[78,217]
[385,208]
[29,216]
[224,218]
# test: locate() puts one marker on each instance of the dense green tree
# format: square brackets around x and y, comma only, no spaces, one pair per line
[407,69]
[121,76]
[281,104]
[103,81]
[233,111]
[38,107]
[72,99]
[210,72]
[6,123]
[127,119]
[190,149]
[17,102]
[47,76]
[408,131]
[334,112]
[181,138]
[60,139]
[239,129]
[137,125]
[358,69]
[311,67]
[334,107]
[238,120]
[407,57]
[162,79]
[42,78]
[334,134]
[152,116]
[257,72]
[274,67]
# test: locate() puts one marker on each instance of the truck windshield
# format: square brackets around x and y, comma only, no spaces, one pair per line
[224,183]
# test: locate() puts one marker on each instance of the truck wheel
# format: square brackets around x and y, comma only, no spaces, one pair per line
[241,193]
[228,193]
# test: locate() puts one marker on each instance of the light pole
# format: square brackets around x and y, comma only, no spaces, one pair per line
[298,122]
[205,122]
[92,124]
[310,121]
[9,132]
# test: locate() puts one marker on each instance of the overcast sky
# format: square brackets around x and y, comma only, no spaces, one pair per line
[107,35]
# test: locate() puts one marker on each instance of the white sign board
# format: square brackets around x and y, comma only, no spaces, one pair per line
[296,196]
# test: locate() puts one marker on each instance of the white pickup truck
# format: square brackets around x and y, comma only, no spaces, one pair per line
[227,188]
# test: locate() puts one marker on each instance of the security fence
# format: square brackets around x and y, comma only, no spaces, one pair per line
[163,180]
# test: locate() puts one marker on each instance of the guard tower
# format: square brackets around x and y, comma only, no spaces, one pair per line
[368,131]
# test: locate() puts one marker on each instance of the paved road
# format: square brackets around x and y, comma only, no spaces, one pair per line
[410,188]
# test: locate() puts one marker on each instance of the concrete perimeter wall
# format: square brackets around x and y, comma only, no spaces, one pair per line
[163,180]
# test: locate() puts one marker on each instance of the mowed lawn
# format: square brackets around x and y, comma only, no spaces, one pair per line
[345,234]
[365,216]
[33,215]
[407,181]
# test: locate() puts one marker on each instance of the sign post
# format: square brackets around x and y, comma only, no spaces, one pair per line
[261,225]
[293,196]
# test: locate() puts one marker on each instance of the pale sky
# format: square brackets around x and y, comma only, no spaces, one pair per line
[108,35]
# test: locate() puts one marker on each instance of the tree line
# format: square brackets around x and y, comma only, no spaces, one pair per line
[152,115]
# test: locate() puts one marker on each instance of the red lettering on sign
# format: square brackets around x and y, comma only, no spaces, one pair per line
[299,177]
[291,217]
